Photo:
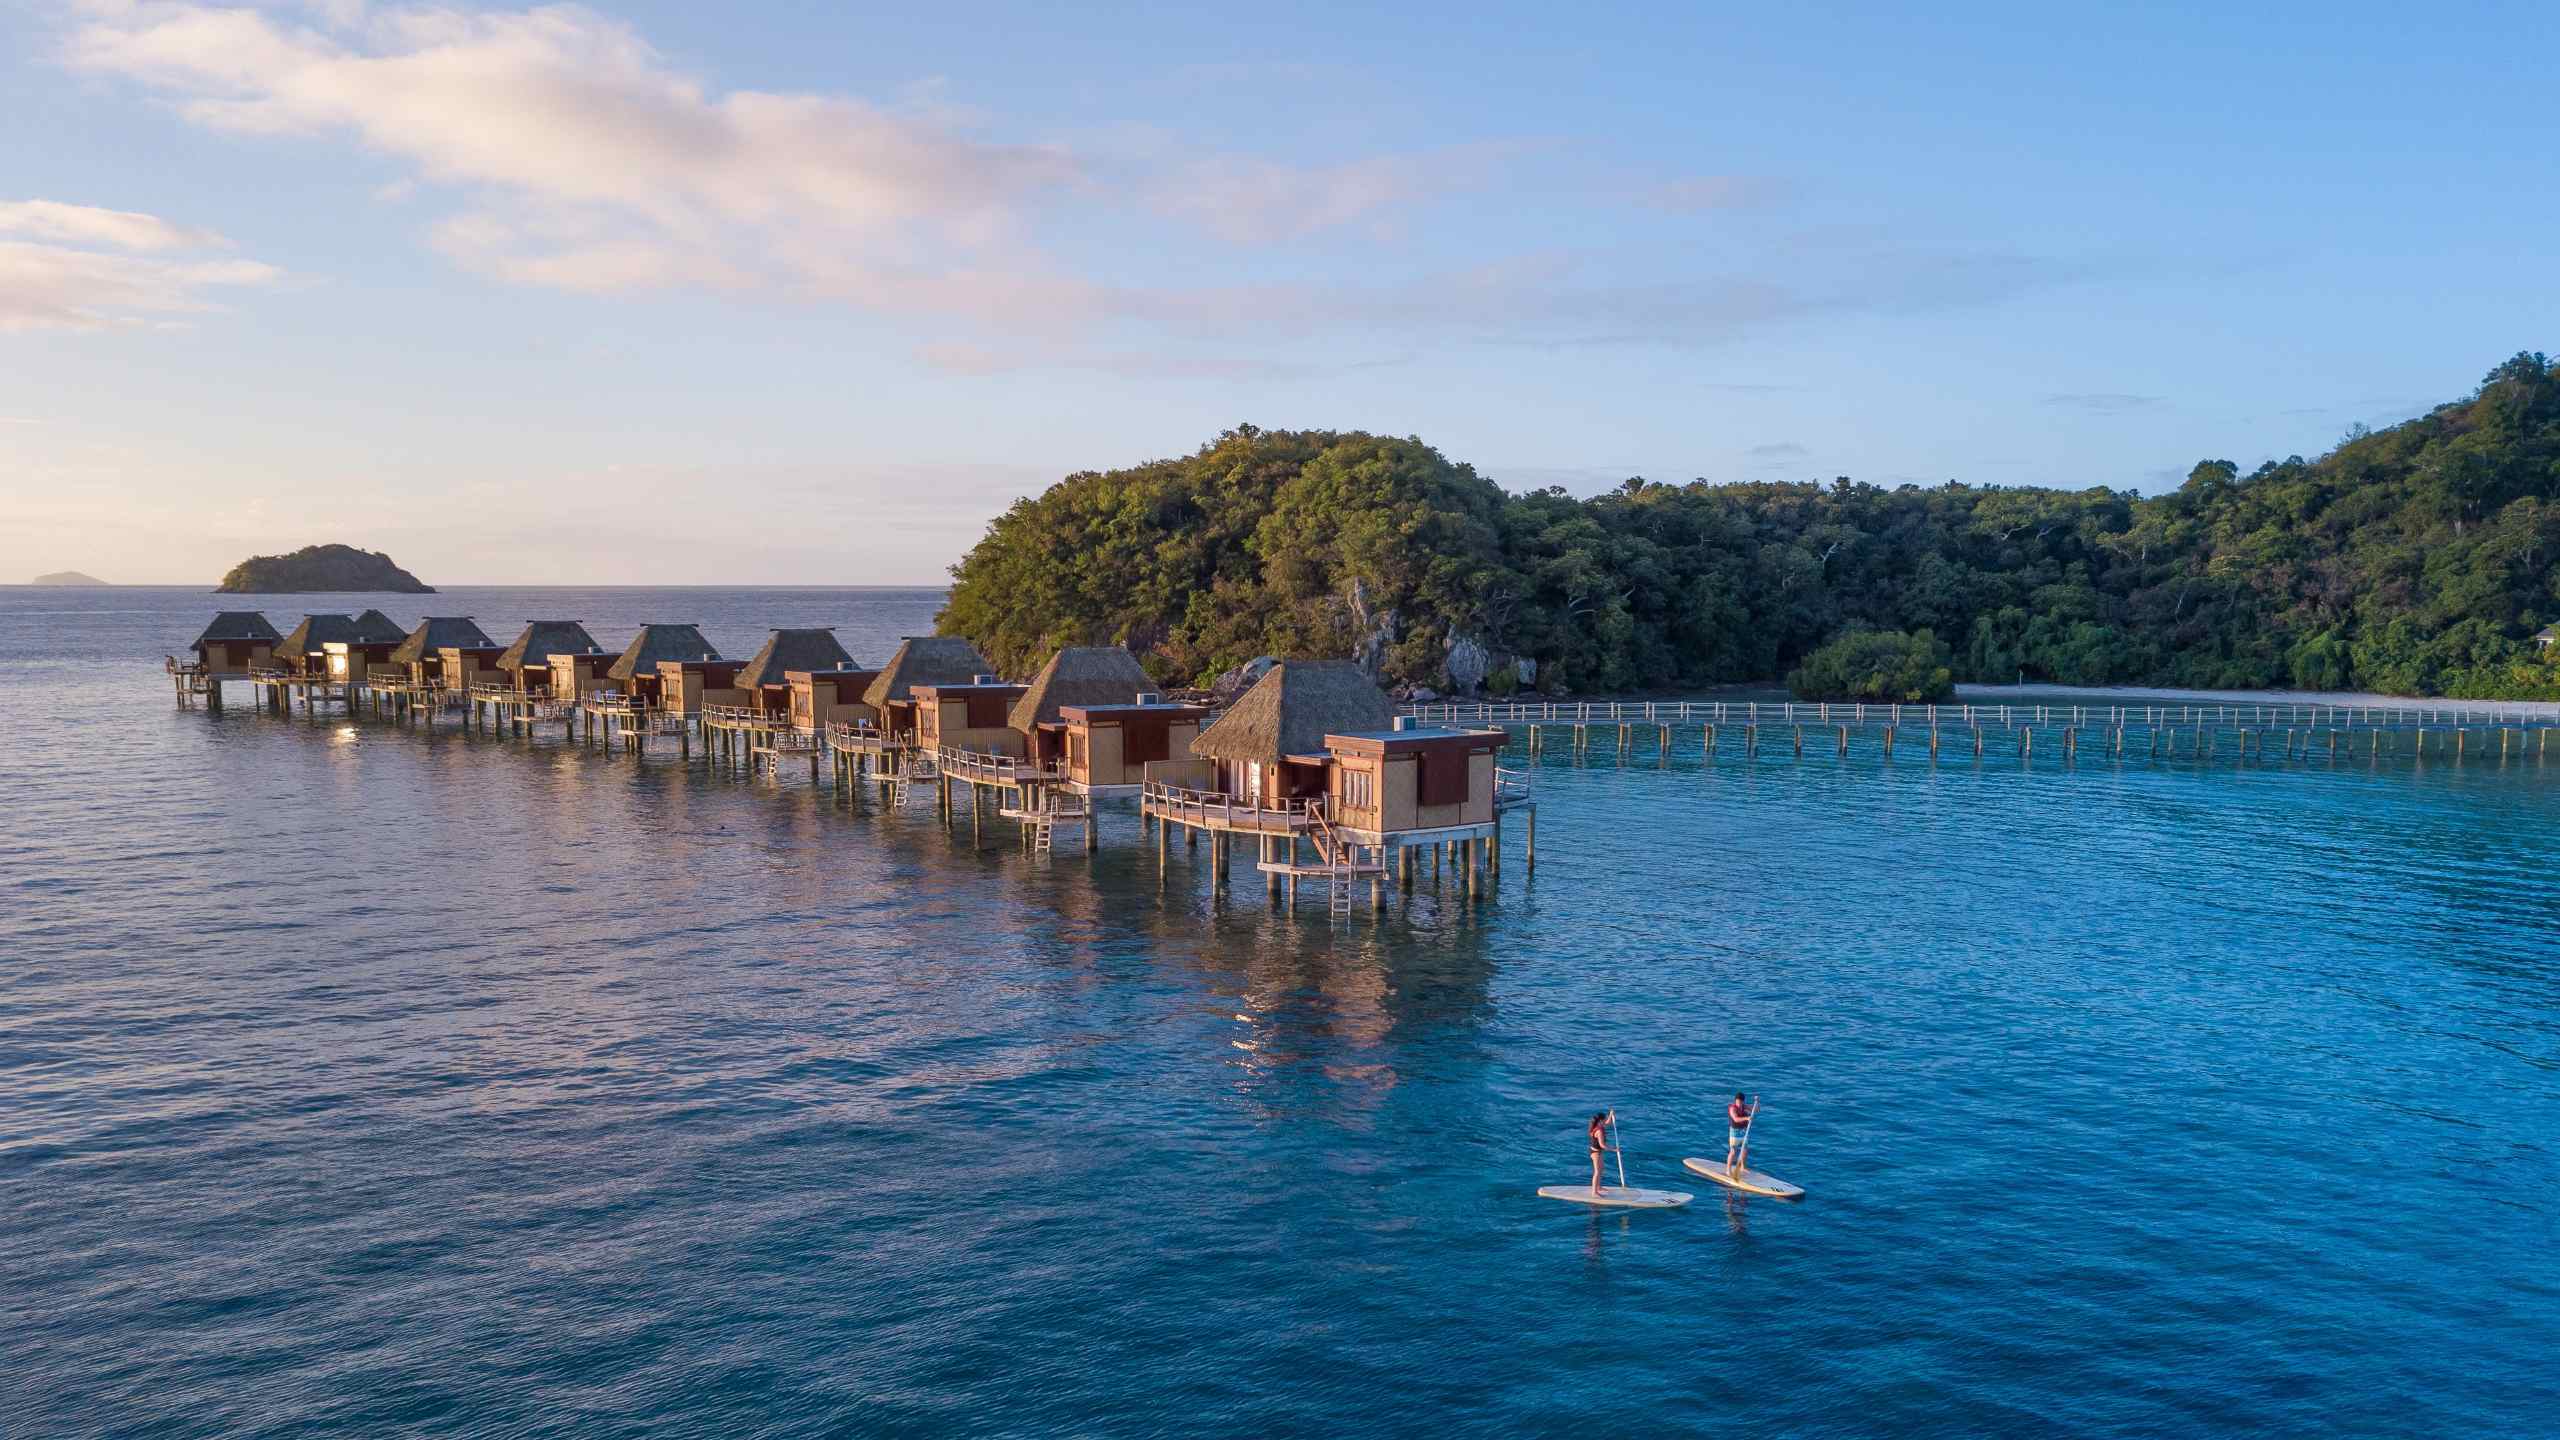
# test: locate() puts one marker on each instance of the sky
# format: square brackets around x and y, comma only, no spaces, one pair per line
[787,294]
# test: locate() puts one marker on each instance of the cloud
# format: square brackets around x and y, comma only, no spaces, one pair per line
[554,147]
[91,269]
[2102,402]
[600,166]
[1778,450]
[1262,202]
[89,225]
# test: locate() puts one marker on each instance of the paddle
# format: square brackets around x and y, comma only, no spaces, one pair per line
[1742,1152]
[1620,1149]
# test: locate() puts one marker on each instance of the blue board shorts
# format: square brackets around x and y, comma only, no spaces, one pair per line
[1733,1136]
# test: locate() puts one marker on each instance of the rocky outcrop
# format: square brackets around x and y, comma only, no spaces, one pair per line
[1237,681]
[321,568]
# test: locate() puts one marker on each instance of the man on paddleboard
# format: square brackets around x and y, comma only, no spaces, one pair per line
[1737,1133]
[1599,1146]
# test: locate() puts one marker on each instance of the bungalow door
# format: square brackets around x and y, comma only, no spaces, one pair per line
[1253,780]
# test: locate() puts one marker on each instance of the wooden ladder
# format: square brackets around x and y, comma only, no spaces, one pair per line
[1336,855]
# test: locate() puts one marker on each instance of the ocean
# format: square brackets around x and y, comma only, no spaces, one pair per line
[360,1081]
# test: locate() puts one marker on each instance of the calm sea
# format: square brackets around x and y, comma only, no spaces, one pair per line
[359,1082]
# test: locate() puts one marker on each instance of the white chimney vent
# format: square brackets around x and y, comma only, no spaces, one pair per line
[1149,697]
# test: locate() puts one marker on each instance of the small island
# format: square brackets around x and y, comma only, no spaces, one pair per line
[321,567]
[67,578]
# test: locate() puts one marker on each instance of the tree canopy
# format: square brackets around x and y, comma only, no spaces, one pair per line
[2416,560]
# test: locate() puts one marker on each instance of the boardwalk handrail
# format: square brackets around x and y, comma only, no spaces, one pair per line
[1967,716]
[1509,784]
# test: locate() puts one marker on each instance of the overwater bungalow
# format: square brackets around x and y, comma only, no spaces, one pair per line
[361,640]
[767,677]
[920,660]
[1269,748]
[1094,718]
[638,673]
[527,667]
[1314,752]
[237,644]
[444,652]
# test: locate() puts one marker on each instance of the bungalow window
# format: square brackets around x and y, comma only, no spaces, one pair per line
[1359,790]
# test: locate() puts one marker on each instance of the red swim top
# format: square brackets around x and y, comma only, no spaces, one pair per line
[1736,1114]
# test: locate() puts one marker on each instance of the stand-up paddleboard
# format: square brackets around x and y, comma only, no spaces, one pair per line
[1629,1197]
[1746,1180]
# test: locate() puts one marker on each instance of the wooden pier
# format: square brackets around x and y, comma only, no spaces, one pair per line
[1622,729]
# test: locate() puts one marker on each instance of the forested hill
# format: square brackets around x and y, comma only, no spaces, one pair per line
[2415,560]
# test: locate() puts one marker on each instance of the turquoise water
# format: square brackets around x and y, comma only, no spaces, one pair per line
[358,1081]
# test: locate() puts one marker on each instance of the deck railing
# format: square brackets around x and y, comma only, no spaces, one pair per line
[1510,787]
[746,715]
[991,765]
[1742,712]
[1203,807]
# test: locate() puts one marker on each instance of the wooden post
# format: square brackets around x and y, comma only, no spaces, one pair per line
[1529,851]
[1799,742]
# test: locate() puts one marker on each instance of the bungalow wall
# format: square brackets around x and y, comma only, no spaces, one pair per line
[575,677]
[233,657]
[969,717]
[820,698]
[686,686]
[343,660]
[1110,746]
[1419,785]
[1273,782]
[463,666]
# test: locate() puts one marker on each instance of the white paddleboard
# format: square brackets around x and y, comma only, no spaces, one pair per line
[1633,1197]
[1748,1180]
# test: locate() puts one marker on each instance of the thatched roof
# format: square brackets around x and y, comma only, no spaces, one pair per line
[1080,675]
[545,638]
[926,660]
[237,625]
[375,628]
[440,632]
[304,640]
[661,642]
[1290,710]
[805,649]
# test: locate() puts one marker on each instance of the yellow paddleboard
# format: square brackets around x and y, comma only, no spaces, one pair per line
[1632,1197]
[1746,1180]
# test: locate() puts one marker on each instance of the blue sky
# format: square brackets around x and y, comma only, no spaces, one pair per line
[753,293]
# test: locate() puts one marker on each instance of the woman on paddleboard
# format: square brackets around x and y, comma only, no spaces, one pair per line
[1600,1146]
[1737,1133]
